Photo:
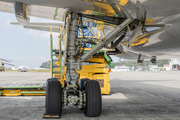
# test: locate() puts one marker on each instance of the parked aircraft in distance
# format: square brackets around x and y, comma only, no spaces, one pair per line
[22,69]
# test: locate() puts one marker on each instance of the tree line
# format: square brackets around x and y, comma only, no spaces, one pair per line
[45,65]
[160,63]
[128,63]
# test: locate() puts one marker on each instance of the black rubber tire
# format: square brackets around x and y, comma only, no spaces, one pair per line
[93,99]
[53,97]
[81,83]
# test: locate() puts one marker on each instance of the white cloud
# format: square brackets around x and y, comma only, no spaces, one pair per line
[41,58]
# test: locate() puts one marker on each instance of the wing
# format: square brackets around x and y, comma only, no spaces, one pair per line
[41,26]
[6,7]
[46,12]
[54,9]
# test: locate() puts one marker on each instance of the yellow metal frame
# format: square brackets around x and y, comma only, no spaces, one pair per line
[93,72]
[23,92]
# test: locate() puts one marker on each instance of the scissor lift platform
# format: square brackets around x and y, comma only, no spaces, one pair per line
[22,89]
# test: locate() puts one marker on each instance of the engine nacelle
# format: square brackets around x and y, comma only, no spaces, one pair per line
[21,12]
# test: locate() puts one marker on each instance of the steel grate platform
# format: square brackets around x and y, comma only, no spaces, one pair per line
[21,84]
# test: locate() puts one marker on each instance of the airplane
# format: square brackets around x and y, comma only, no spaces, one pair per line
[144,29]
[22,69]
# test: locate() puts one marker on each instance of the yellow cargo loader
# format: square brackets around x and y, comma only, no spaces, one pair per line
[96,69]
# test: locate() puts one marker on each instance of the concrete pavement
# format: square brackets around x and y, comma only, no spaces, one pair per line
[134,95]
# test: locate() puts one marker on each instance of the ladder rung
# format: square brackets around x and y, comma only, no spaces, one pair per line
[56,77]
[56,66]
[55,60]
[56,54]
[56,72]
[56,50]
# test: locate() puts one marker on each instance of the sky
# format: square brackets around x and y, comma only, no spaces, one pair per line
[24,46]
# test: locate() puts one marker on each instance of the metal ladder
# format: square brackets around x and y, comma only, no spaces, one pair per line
[55,63]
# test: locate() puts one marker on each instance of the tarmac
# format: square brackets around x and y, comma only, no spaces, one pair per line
[134,96]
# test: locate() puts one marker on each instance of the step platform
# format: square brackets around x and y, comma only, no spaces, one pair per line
[22,89]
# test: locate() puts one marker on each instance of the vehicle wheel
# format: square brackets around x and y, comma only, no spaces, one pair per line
[81,83]
[93,99]
[53,97]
